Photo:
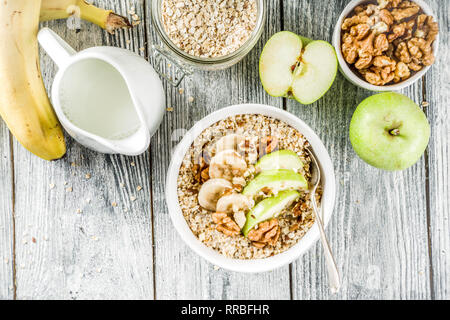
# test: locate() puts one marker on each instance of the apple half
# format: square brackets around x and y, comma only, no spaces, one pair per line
[296,67]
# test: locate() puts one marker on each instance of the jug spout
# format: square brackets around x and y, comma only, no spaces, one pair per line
[131,145]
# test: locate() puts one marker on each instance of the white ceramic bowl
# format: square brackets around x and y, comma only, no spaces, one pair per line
[351,76]
[255,265]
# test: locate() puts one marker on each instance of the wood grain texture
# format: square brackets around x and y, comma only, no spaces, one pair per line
[179,272]
[6,217]
[437,93]
[379,230]
[390,231]
[103,251]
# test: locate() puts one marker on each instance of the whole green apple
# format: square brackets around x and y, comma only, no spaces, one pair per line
[389,131]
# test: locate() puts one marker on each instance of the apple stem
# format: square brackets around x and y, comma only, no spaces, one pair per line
[395,132]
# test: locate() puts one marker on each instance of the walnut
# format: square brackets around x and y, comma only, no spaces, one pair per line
[268,145]
[355,20]
[401,72]
[402,53]
[373,77]
[380,44]
[386,17]
[433,29]
[363,63]
[380,27]
[299,208]
[406,9]
[388,4]
[204,175]
[414,66]
[384,61]
[421,49]
[349,48]
[398,30]
[267,233]
[360,31]
[225,224]
[366,46]
[379,75]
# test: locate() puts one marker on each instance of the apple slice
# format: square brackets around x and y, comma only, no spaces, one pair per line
[269,208]
[282,159]
[288,70]
[275,180]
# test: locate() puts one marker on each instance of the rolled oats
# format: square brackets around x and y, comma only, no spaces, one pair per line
[209,28]
[218,230]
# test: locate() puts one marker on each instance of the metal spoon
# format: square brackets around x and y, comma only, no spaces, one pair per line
[333,273]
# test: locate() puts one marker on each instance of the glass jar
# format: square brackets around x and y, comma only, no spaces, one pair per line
[187,63]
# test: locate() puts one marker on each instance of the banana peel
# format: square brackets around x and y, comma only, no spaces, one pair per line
[62,9]
[24,104]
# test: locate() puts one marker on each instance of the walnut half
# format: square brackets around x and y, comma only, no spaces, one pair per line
[225,224]
[267,233]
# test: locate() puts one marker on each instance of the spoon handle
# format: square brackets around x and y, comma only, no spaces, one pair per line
[333,273]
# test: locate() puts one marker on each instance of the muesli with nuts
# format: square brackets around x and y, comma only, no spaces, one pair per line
[388,41]
[243,187]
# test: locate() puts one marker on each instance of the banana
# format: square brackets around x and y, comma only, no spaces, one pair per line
[24,104]
[62,9]
[232,203]
[226,165]
[211,191]
[239,143]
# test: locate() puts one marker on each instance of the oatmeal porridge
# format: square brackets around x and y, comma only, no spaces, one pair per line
[243,187]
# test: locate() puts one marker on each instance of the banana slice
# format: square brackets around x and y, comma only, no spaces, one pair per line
[226,165]
[211,191]
[244,146]
[229,142]
[233,203]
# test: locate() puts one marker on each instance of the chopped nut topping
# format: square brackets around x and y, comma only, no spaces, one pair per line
[225,224]
[267,233]
[267,145]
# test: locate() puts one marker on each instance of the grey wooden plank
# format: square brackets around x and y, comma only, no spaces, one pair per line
[438,96]
[379,229]
[179,272]
[6,217]
[103,251]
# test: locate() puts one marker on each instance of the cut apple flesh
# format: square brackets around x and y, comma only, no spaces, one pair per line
[269,208]
[289,68]
[282,159]
[275,65]
[318,70]
[276,181]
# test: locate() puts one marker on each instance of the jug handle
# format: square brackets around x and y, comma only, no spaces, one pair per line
[181,71]
[59,50]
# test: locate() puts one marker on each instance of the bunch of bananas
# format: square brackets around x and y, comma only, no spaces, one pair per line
[24,104]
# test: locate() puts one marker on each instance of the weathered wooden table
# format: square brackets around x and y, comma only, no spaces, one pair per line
[61,237]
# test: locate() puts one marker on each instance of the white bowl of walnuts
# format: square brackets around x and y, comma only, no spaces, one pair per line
[386,45]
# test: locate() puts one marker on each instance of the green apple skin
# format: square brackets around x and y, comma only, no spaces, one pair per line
[281,159]
[389,131]
[269,208]
[310,80]
[280,180]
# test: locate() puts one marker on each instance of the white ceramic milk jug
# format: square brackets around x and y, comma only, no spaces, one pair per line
[108,99]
